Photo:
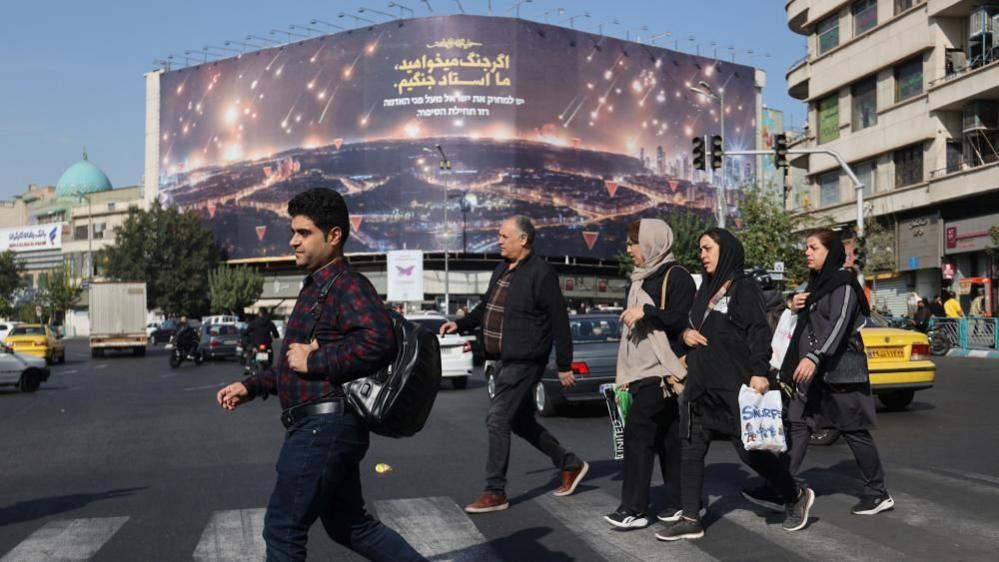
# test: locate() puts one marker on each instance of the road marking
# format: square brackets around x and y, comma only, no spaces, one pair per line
[437,528]
[205,386]
[981,484]
[583,513]
[66,539]
[101,366]
[821,540]
[233,535]
[69,372]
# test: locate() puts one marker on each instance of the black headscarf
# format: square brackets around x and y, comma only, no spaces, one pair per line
[731,266]
[820,284]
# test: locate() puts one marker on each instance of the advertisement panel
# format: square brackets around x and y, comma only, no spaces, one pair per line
[771,125]
[31,238]
[582,133]
[405,275]
[969,235]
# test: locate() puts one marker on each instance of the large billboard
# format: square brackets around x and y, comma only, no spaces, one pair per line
[582,133]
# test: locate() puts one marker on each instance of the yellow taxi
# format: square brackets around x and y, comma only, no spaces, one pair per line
[898,361]
[37,340]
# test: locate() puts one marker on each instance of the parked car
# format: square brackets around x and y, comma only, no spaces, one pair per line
[899,364]
[26,372]
[595,340]
[219,341]
[151,328]
[5,328]
[163,332]
[37,340]
[456,350]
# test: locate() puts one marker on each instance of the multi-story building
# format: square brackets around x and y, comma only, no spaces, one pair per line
[907,91]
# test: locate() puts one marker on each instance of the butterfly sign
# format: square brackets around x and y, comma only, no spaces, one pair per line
[405,271]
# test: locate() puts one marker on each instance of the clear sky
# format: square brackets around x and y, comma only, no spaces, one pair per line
[74,70]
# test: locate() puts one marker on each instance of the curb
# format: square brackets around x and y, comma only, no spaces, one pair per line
[976,353]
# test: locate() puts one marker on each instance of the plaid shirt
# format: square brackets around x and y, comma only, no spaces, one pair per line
[355,336]
[492,321]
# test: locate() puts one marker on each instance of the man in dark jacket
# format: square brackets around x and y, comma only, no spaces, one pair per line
[522,314]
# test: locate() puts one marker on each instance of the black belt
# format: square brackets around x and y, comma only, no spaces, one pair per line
[295,414]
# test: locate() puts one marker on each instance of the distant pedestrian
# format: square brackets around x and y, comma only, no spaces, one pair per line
[659,301]
[729,337]
[952,307]
[936,306]
[922,316]
[825,361]
[522,314]
[329,341]
[977,304]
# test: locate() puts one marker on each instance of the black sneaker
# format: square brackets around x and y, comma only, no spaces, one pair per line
[872,505]
[682,529]
[671,515]
[765,496]
[797,511]
[627,519]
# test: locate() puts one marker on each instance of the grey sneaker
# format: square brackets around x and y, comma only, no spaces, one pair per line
[765,496]
[672,515]
[682,529]
[797,511]
[872,505]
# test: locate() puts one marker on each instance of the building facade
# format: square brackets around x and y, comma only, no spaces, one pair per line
[907,91]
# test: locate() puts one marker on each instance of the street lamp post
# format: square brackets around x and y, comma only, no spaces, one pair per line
[90,236]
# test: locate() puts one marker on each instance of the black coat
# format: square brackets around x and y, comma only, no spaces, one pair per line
[679,296]
[534,317]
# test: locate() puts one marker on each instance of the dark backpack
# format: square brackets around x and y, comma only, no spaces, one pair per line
[397,400]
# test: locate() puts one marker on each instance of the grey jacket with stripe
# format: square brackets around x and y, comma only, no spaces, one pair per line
[832,321]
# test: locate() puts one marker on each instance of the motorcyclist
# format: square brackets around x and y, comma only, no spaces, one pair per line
[185,337]
[261,332]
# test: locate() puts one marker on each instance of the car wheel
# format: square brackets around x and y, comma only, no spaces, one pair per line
[459,383]
[542,401]
[29,382]
[491,383]
[152,340]
[896,400]
[823,437]
[175,359]
[140,352]
[96,353]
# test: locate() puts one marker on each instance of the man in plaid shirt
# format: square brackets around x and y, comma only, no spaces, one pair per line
[347,335]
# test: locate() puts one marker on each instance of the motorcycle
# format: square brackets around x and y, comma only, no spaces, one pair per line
[184,351]
[259,359]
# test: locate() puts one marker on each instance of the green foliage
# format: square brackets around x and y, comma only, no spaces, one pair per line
[234,288]
[880,235]
[172,252]
[25,312]
[768,234]
[11,279]
[60,294]
[993,249]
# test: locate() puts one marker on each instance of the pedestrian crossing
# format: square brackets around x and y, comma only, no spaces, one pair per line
[440,530]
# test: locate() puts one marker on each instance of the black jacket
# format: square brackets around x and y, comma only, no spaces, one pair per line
[261,331]
[679,297]
[534,316]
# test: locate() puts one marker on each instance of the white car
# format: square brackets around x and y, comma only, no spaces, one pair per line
[150,328]
[26,372]
[5,328]
[456,351]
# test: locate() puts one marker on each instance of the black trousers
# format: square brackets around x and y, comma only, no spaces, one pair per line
[651,430]
[864,451]
[694,449]
[512,410]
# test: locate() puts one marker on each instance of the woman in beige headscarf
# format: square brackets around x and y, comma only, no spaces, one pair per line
[648,365]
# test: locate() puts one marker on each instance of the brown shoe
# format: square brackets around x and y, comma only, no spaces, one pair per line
[488,501]
[571,479]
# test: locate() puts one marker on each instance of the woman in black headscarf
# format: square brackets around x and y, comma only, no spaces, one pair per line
[729,337]
[828,366]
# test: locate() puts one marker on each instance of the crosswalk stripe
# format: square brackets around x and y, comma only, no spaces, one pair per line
[437,528]
[583,513]
[233,535]
[819,541]
[979,485]
[66,539]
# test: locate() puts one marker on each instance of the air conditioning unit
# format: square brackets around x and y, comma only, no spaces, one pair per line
[995,37]
[981,21]
[980,115]
[957,60]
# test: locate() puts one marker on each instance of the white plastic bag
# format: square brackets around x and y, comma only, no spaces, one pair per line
[782,338]
[760,419]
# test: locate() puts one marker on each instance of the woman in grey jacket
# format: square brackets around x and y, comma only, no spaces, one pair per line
[827,363]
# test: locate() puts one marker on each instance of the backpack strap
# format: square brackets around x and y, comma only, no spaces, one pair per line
[317,309]
[662,297]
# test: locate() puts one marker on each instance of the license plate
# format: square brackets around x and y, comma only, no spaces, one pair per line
[262,357]
[886,353]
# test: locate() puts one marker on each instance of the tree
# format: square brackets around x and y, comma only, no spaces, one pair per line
[60,294]
[172,252]
[687,226]
[768,234]
[11,280]
[880,243]
[234,288]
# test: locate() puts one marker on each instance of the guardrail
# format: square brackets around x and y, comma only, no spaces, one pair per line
[972,333]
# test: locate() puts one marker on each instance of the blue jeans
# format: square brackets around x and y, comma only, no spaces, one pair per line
[318,477]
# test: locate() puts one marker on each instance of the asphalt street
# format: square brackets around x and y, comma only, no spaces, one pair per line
[123,458]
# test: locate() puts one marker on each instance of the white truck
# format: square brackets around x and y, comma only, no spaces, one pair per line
[117,317]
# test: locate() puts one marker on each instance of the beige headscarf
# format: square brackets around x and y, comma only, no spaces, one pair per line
[644,352]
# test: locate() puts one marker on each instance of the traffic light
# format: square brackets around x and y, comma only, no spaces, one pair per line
[860,253]
[717,151]
[780,151]
[698,153]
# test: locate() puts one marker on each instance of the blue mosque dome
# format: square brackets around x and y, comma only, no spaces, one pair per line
[82,177]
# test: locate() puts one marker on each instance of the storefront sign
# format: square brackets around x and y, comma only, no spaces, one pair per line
[919,243]
[31,238]
[969,235]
